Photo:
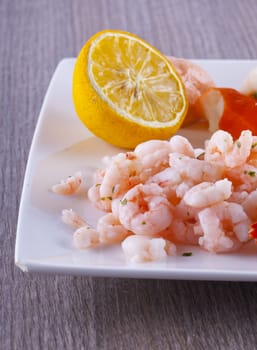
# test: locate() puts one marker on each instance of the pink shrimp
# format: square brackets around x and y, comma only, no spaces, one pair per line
[69,186]
[196,81]
[225,226]
[145,210]
[110,229]
[139,249]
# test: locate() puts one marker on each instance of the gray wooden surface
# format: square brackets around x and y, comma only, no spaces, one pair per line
[64,312]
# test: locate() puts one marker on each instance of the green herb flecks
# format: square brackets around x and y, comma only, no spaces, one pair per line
[252,173]
[123,201]
[238,144]
[187,254]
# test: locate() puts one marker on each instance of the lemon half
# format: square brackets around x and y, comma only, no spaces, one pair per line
[125,91]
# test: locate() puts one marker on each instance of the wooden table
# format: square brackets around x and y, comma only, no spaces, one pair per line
[65,312]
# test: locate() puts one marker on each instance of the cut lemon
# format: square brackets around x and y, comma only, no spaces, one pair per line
[125,91]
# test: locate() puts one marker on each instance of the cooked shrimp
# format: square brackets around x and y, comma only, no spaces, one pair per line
[195,170]
[154,157]
[71,218]
[220,143]
[185,225]
[195,78]
[167,179]
[250,205]
[144,210]
[206,194]
[221,148]
[240,151]
[85,237]
[225,226]
[196,81]
[122,174]
[244,178]
[139,249]
[110,229]
[180,144]
[69,186]
[95,197]
[181,232]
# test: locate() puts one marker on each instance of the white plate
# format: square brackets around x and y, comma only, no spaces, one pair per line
[60,147]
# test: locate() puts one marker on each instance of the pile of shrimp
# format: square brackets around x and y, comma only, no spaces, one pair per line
[166,193]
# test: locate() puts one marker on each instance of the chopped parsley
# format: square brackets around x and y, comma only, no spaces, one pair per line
[238,144]
[110,198]
[251,173]
[113,189]
[123,201]
[187,254]
[143,222]
[97,185]
[254,144]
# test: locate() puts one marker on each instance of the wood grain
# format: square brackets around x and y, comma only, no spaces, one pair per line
[64,312]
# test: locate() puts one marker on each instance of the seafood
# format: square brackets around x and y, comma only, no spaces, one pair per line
[85,237]
[196,81]
[225,226]
[144,210]
[142,248]
[69,186]
[166,193]
[180,144]
[206,194]
[71,218]
[110,229]
[195,170]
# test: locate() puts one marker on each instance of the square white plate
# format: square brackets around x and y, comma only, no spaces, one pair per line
[60,147]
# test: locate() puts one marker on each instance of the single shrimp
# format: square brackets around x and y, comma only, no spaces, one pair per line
[69,186]
[71,218]
[225,226]
[185,225]
[180,232]
[220,143]
[85,237]
[110,229]
[194,77]
[196,81]
[95,197]
[244,178]
[250,205]
[180,144]
[145,210]
[240,151]
[122,174]
[206,194]
[221,148]
[154,157]
[140,249]
[195,170]
[168,179]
